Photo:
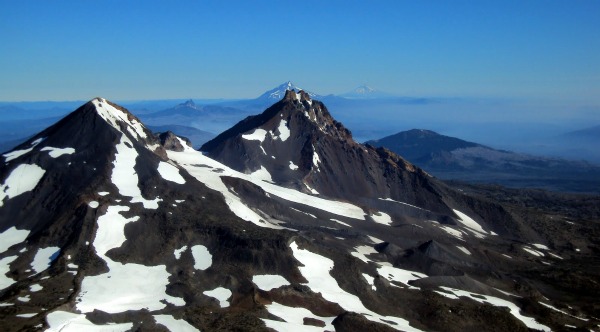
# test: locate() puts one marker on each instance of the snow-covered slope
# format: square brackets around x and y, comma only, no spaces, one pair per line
[104,228]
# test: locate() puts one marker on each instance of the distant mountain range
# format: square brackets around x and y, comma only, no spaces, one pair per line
[455,159]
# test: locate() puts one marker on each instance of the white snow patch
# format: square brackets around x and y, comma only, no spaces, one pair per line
[17,153]
[111,115]
[4,269]
[293,166]
[124,175]
[170,173]
[262,174]
[463,249]
[507,256]
[6,304]
[179,251]
[62,321]
[391,200]
[268,282]
[306,213]
[257,135]
[533,252]
[120,289]
[294,319]
[361,253]
[456,233]
[312,191]
[22,179]
[23,298]
[35,288]
[93,204]
[340,222]
[514,309]
[316,271]
[172,324]
[470,224]
[554,255]
[374,239]
[540,246]
[221,294]
[57,152]
[370,280]
[43,258]
[399,275]
[202,258]
[189,159]
[179,201]
[12,236]
[103,193]
[316,160]
[27,315]
[284,131]
[382,218]
[72,266]
[562,312]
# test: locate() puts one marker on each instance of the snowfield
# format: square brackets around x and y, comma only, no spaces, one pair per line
[22,179]
[170,173]
[316,270]
[120,289]
[268,282]
[201,167]
[124,176]
[43,258]
[57,152]
[514,309]
[202,258]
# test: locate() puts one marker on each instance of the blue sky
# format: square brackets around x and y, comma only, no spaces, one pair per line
[126,50]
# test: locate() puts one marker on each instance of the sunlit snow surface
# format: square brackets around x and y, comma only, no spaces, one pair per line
[221,294]
[120,289]
[284,131]
[43,258]
[57,152]
[294,319]
[256,135]
[382,218]
[203,169]
[202,258]
[112,116]
[174,325]
[12,236]
[61,321]
[316,270]
[4,269]
[170,173]
[471,225]
[22,179]
[268,282]
[514,309]
[17,153]
[124,175]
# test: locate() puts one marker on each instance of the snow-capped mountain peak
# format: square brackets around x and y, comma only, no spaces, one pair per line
[278,92]
[364,89]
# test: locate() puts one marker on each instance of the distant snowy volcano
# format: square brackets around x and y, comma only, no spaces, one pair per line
[366,92]
[278,92]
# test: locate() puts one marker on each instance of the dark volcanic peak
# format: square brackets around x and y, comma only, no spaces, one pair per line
[296,143]
[415,143]
[188,103]
[101,228]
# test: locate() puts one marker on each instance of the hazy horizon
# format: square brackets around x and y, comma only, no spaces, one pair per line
[538,50]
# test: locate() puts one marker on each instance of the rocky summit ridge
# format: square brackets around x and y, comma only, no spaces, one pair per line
[285,223]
